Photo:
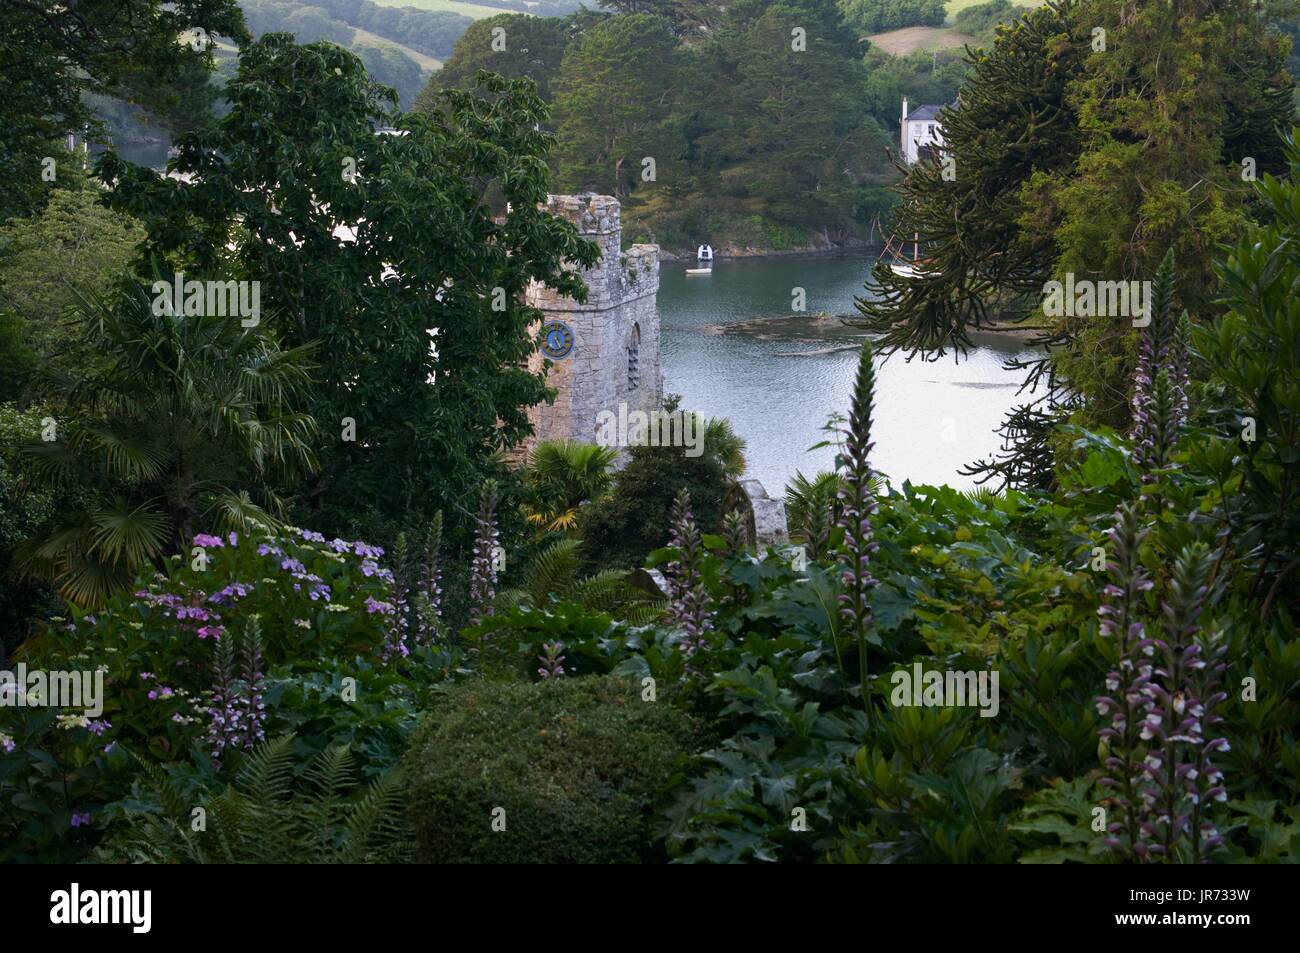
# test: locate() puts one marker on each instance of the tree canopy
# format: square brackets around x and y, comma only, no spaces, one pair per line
[393,270]
[54,53]
[1074,151]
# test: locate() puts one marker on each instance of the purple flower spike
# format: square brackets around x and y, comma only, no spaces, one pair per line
[857,506]
[689,604]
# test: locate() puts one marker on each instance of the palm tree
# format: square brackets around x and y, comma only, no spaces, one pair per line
[560,476]
[180,426]
[811,510]
[726,446]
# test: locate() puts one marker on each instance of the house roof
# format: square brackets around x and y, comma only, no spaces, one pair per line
[927,113]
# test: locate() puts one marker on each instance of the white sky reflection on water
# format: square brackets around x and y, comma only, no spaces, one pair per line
[778,382]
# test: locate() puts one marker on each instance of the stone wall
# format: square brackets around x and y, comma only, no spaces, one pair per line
[618,325]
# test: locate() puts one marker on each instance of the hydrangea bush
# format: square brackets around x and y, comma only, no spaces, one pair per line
[252,636]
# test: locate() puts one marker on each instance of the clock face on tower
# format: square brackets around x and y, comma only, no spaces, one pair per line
[557,340]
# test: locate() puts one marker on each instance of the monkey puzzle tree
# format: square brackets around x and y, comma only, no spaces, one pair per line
[1073,150]
[1014,119]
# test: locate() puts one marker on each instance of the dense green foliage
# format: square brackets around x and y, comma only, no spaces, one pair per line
[374,330]
[569,768]
[1254,387]
[52,262]
[175,423]
[267,818]
[534,48]
[552,576]
[324,612]
[1097,664]
[878,16]
[922,77]
[744,125]
[1076,153]
[981,19]
[55,53]
[559,476]
[25,506]
[616,94]
[623,527]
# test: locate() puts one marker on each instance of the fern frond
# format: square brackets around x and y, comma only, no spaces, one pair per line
[267,774]
[604,591]
[552,572]
[377,822]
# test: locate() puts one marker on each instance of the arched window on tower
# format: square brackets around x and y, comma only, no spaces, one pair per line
[634,359]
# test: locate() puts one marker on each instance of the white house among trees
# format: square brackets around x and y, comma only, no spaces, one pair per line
[920,131]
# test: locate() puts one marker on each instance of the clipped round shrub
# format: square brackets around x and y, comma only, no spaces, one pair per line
[575,763]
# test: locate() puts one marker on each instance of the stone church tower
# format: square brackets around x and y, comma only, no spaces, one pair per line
[604,352]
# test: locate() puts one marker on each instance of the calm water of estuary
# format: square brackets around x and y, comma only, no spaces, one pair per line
[778,380]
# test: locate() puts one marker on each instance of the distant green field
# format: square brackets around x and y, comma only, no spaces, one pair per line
[472,10]
[366,38]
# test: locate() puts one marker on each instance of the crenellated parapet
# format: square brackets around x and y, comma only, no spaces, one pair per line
[617,277]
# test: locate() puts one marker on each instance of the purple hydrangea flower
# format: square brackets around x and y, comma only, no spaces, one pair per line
[236,590]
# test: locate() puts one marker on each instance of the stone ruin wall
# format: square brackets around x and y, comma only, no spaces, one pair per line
[622,288]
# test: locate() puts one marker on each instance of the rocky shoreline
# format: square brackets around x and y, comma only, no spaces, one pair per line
[825,322]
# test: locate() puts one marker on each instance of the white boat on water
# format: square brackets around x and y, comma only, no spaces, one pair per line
[704,255]
[899,263]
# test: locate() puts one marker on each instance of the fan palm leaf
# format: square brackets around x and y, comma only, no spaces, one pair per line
[560,476]
[183,415]
[122,533]
[722,443]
